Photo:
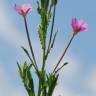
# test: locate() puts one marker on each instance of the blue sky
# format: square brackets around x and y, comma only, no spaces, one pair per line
[76,79]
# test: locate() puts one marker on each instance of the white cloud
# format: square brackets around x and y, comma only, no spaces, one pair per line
[8,31]
[6,87]
[61,91]
[10,34]
[90,82]
[71,70]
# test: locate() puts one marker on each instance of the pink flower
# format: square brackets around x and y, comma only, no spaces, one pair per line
[24,9]
[79,25]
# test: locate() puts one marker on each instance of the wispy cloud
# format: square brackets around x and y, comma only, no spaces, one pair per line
[6,87]
[8,30]
[90,83]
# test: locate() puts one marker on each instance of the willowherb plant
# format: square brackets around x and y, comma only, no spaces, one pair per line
[47,81]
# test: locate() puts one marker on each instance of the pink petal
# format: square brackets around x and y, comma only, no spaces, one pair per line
[26,7]
[18,9]
[79,25]
[84,27]
[74,22]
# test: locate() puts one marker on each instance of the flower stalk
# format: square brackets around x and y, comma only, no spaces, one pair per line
[63,54]
[52,26]
[29,41]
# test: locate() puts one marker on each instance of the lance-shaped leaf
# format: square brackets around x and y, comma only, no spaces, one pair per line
[61,67]
[52,82]
[27,79]
[27,53]
[20,71]
[30,83]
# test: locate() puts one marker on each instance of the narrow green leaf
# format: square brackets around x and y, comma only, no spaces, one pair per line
[20,70]
[30,83]
[52,82]
[25,66]
[26,51]
[29,67]
[61,67]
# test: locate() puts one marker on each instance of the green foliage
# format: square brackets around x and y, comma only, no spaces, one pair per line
[52,82]
[20,71]
[53,2]
[44,4]
[47,83]
[27,79]
[45,19]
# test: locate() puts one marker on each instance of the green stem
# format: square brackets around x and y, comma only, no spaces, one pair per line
[43,60]
[51,34]
[63,53]
[44,50]
[39,88]
[31,94]
[29,41]
[43,67]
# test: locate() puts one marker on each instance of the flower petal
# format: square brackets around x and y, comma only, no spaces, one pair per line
[26,7]
[18,9]
[79,25]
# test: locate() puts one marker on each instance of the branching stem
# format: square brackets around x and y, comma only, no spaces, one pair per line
[63,54]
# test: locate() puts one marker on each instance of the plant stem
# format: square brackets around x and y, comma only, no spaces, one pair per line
[64,53]
[44,49]
[29,41]
[31,94]
[43,67]
[53,19]
[39,88]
